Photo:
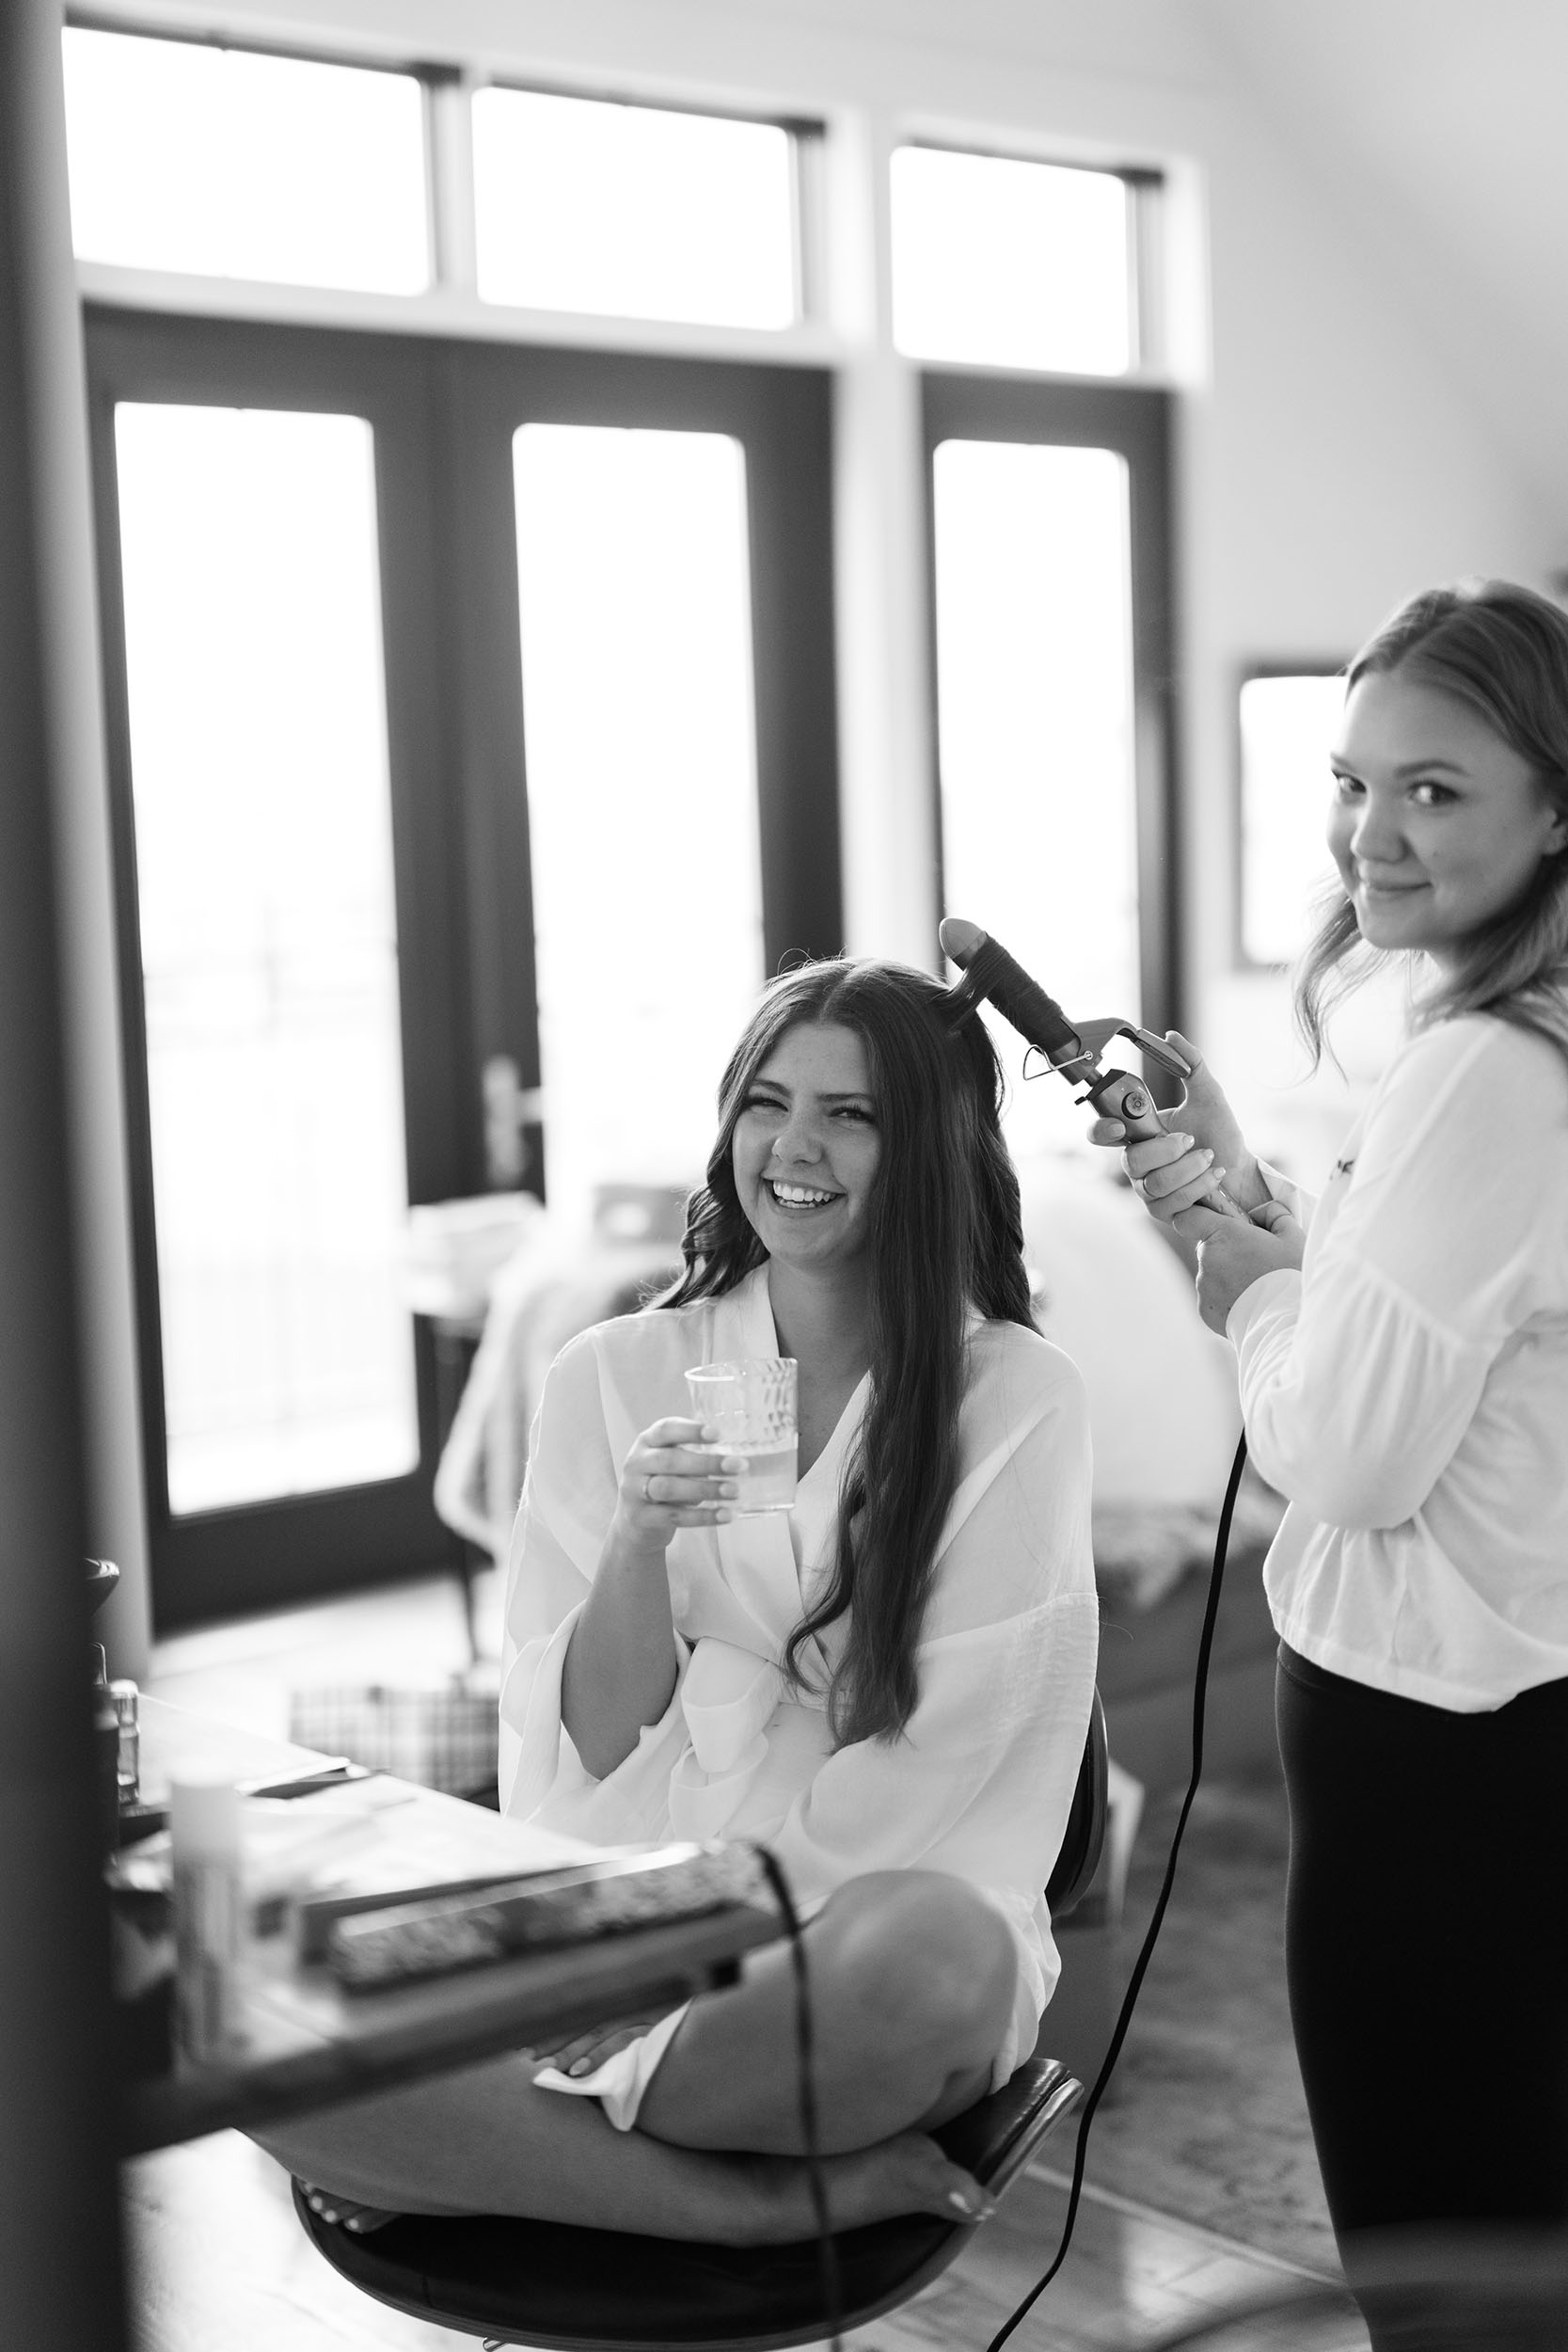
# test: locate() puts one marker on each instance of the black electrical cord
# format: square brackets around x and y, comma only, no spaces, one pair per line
[1201,1694]
[827,2250]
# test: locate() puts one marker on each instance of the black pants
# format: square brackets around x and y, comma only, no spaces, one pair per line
[1427,1949]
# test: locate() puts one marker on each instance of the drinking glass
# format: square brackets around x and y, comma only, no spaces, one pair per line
[751,1402]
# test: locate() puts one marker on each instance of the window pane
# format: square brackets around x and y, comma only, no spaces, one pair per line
[1011,264]
[630,210]
[1034,701]
[1288,725]
[264,869]
[188,157]
[641,792]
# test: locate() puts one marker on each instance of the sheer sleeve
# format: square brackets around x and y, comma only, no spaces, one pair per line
[569,1502]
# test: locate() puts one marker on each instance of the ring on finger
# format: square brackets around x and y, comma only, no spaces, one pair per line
[648,1487]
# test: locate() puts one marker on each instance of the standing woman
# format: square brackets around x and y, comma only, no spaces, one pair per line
[1408,1390]
[889,1685]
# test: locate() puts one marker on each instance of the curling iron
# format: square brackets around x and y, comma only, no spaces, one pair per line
[1072,1048]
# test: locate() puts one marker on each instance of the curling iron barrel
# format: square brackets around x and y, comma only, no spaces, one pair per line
[1072,1049]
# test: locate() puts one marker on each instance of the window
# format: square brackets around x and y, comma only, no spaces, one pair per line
[1034,707]
[1287,719]
[1049,561]
[269,948]
[188,157]
[633,210]
[1005,264]
[639,729]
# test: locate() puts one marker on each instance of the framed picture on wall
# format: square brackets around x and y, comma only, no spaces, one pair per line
[1286,716]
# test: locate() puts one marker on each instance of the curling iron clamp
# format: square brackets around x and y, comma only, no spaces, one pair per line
[1072,1048]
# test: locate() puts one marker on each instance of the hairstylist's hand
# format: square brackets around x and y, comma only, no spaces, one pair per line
[1202,1142]
[667,1482]
[1236,1251]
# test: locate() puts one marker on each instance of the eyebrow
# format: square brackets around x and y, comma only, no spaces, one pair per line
[856,1094]
[1407,767]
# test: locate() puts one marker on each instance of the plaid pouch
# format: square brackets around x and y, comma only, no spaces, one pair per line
[443,1737]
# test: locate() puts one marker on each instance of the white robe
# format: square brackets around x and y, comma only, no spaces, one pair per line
[981,1782]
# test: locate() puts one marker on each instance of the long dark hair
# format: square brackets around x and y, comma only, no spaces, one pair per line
[1503,651]
[945,1236]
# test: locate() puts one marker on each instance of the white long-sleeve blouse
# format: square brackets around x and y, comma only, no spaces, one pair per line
[1408,1390]
[981,1782]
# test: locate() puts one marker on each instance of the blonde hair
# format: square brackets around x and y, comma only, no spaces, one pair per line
[1503,651]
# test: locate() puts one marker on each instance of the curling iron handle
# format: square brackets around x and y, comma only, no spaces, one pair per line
[1124,1097]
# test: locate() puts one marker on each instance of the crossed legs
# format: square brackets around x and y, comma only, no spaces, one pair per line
[913,1978]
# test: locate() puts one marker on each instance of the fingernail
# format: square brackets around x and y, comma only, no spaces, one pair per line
[1206,1155]
[580,2066]
[1216,1173]
[733,1464]
[1185,1141]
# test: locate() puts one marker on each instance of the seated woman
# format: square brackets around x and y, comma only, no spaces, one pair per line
[890,1685]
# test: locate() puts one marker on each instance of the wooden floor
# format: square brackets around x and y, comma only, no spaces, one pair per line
[219,2264]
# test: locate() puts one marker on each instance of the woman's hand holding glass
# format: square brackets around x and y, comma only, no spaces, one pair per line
[666,1483]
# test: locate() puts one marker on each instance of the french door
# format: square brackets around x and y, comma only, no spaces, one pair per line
[470,709]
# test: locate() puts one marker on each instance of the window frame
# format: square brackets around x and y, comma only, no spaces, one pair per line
[1137,421]
[354,1536]
[443,416]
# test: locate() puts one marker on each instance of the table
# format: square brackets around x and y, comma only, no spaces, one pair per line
[310,2045]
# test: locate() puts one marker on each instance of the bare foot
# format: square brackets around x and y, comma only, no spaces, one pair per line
[347,2211]
[908,2173]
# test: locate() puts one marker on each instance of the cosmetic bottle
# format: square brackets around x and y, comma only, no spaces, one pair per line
[209,1917]
[127,1704]
[105,1753]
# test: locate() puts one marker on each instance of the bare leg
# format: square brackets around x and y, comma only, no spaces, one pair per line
[912,1981]
[486,2141]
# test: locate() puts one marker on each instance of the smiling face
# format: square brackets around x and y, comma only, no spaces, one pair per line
[1438,826]
[806,1148]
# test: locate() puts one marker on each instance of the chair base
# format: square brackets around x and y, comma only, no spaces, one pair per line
[555,2287]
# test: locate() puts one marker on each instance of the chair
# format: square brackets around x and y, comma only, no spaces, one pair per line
[554,2287]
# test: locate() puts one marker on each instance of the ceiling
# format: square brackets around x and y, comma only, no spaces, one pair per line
[1438,127]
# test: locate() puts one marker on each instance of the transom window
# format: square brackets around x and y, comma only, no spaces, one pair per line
[1001,263]
[633,210]
[187,156]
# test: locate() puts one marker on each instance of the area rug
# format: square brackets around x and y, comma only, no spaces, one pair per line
[1208,2120]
